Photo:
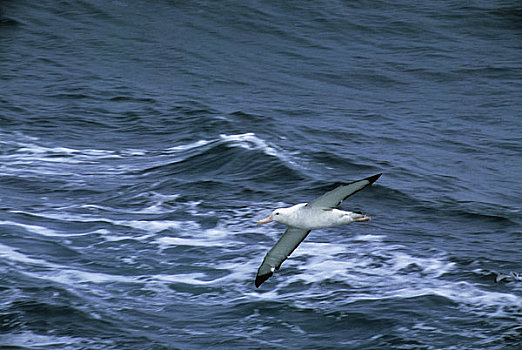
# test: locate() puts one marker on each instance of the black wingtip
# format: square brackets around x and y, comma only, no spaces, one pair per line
[374,178]
[261,278]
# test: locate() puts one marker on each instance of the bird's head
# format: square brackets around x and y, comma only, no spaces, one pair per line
[278,215]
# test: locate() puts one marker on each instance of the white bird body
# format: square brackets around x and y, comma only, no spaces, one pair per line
[308,217]
[304,217]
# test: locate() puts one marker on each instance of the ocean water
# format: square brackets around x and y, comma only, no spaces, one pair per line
[141,141]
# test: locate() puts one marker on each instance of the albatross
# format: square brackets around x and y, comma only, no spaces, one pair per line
[304,217]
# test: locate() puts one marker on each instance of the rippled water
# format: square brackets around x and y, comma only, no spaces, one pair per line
[141,142]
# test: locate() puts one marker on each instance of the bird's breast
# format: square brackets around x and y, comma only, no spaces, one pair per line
[314,218]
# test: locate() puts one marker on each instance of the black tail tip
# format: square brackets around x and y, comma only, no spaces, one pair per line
[261,278]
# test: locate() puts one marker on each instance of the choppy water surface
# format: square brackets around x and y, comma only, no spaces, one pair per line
[140,143]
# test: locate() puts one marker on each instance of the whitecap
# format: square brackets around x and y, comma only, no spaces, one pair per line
[187,278]
[36,149]
[134,152]
[113,238]
[13,255]
[250,141]
[167,242]
[151,226]
[155,206]
[60,273]
[464,293]
[368,238]
[181,148]
[27,153]
[374,270]
[40,230]
[213,237]
[73,278]
[154,226]
[68,276]
[45,341]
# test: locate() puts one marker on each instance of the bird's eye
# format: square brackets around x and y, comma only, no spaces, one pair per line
[276,213]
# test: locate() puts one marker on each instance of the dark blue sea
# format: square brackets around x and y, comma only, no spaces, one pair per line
[140,142]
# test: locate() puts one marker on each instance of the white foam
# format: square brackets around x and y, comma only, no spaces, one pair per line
[434,267]
[60,273]
[113,238]
[145,225]
[368,238]
[374,270]
[151,226]
[30,158]
[13,255]
[251,142]
[44,231]
[167,242]
[188,278]
[32,148]
[238,272]
[218,232]
[134,152]
[34,340]
[358,264]
[247,141]
[33,151]
[213,237]
[156,207]
[320,250]
[182,148]
[65,275]
[464,293]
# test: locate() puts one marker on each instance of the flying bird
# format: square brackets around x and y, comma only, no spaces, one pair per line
[304,217]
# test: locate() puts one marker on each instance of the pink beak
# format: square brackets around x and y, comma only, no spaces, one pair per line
[265,221]
[362,219]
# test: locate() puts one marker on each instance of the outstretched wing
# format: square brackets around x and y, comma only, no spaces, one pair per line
[334,197]
[292,237]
